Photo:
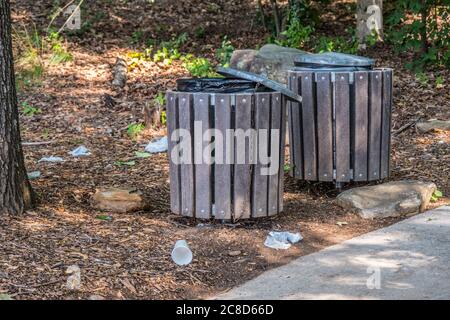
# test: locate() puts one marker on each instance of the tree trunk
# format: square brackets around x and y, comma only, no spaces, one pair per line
[15,191]
[424,28]
[277,17]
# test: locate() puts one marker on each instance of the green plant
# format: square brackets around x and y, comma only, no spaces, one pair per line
[225,52]
[439,82]
[160,99]
[137,36]
[163,117]
[45,133]
[34,53]
[200,32]
[421,27]
[339,44]
[296,35]
[135,129]
[422,78]
[198,67]
[29,110]
[436,195]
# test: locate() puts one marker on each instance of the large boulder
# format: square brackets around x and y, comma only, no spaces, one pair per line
[432,125]
[119,200]
[391,199]
[271,60]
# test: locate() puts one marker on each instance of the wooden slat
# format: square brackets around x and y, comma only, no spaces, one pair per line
[361,124]
[242,172]
[274,179]
[260,180]
[187,168]
[291,129]
[386,123]
[174,168]
[202,169]
[282,151]
[375,113]
[342,110]
[296,145]
[222,169]
[324,126]
[309,126]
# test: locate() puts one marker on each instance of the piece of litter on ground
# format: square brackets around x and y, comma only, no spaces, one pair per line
[74,280]
[282,240]
[104,217]
[34,175]
[125,163]
[5,296]
[81,151]
[157,146]
[341,223]
[51,159]
[234,253]
[139,154]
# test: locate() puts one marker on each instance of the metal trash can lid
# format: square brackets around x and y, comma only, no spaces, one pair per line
[230,72]
[331,60]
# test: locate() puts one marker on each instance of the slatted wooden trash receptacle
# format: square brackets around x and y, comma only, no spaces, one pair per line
[341,132]
[224,189]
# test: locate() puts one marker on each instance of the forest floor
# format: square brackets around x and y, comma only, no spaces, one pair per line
[128,256]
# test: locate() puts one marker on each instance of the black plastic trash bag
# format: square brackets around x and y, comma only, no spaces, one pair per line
[219,85]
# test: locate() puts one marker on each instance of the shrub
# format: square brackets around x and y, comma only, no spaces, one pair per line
[422,27]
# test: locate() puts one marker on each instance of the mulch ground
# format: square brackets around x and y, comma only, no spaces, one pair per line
[128,257]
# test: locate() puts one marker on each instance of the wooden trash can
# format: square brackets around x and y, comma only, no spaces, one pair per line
[225,189]
[341,131]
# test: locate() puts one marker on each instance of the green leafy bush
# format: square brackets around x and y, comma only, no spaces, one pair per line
[198,67]
[135,129]
[29,110]
[422,27]
[296,35]
[225,52]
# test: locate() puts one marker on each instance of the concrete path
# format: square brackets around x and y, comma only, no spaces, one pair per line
[408,260]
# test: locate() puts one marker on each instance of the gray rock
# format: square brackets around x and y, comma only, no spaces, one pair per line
[243,59]
[432,125]
[271,60]
[119,200]
[392,199]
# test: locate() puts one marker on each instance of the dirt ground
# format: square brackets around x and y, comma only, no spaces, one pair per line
[128,257]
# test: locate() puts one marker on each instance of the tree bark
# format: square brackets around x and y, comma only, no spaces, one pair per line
[16,194]
[424,28]
[277,17]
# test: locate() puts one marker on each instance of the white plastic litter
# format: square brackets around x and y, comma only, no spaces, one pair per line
[74,279]
[157,146]
[81,151]
[34,175]
[51,159]
[181,254]
[282,240]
